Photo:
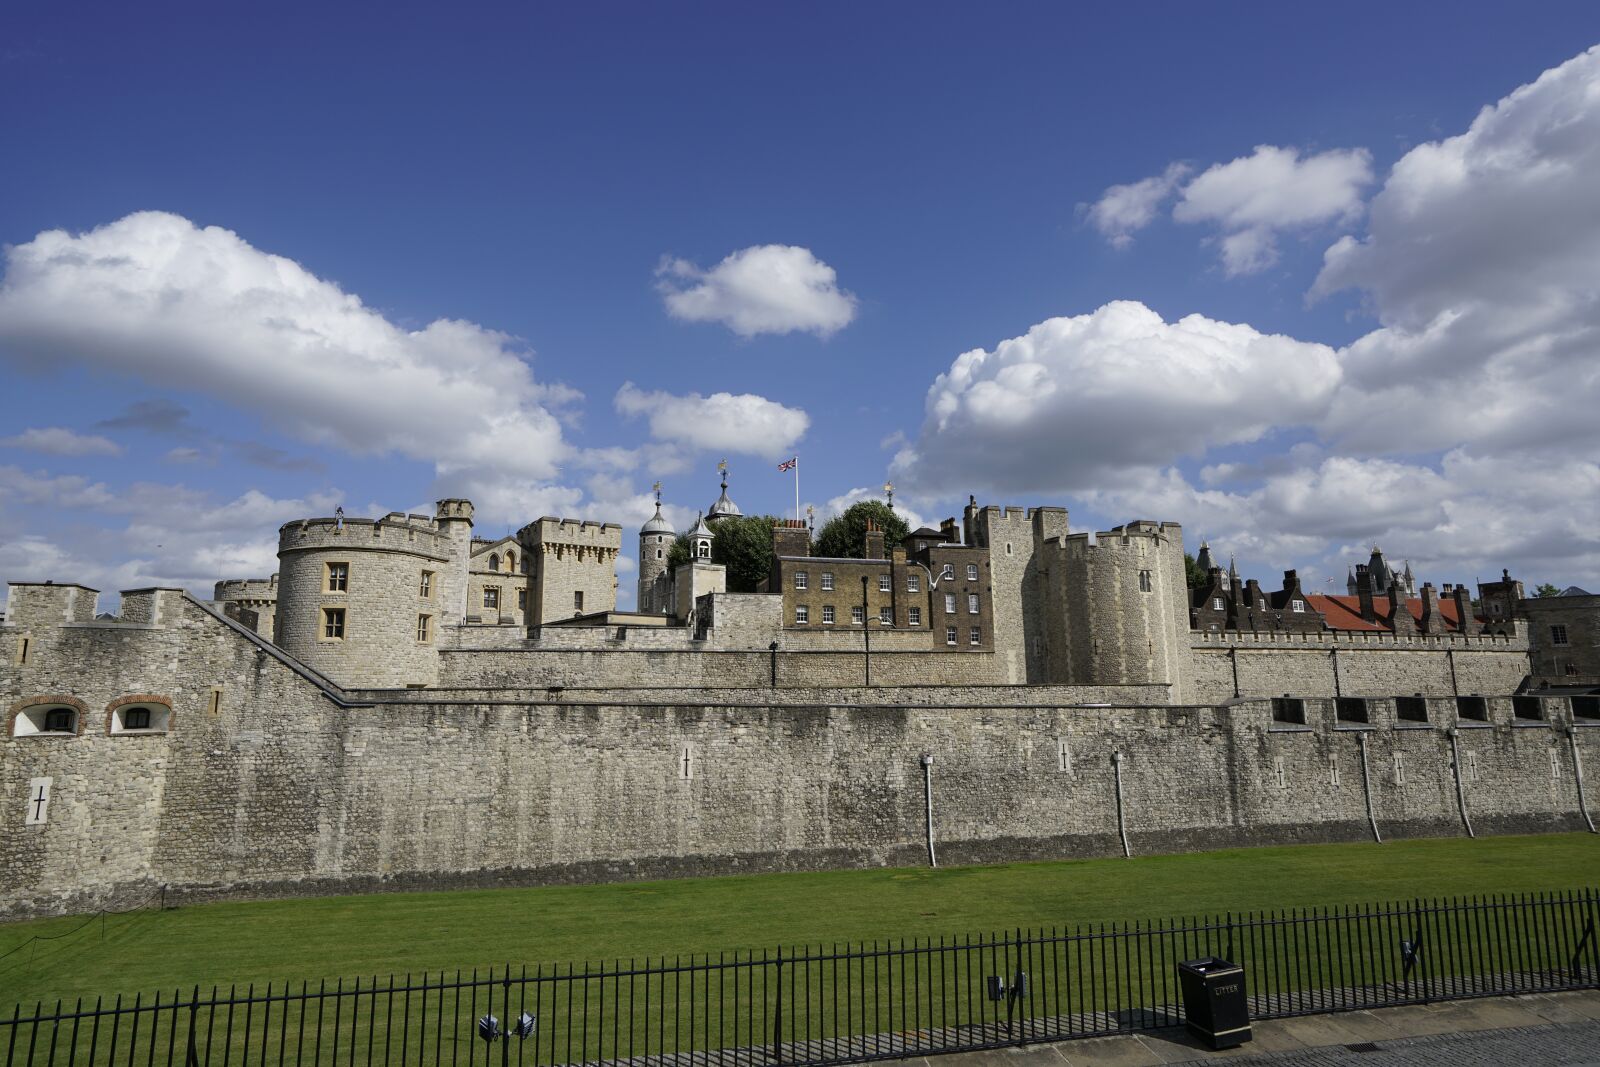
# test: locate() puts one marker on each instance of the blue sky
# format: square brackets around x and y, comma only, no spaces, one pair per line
[1269,272]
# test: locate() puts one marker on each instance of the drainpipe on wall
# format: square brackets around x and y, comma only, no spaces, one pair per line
[1122,826]
[927,796]
[1233,657]
[1461,790]
[1450,655]
[1366,787]
[1333,653]
[1577,773]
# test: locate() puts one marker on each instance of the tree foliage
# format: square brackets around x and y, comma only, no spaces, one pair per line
[743,544]
[844,535]
[1546,589]
[1194,573]
[678,554]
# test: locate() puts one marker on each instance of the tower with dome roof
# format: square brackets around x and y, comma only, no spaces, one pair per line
[655,544]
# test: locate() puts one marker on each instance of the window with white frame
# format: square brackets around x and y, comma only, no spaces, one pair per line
[886,616]
[1297,605]
[45,720]
[1217,603]
[827,580]
[972,603]
[972,572]
[913,583]
[949,571]
[885,583]
[802,614]
[800,579]
[858,615]
[141,719]
[914,616]
[974,636]
[949,635]
[949,603]
[827,614]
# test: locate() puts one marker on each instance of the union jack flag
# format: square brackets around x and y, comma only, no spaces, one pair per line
[788,464]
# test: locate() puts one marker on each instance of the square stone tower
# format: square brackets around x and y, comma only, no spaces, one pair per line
[571,566]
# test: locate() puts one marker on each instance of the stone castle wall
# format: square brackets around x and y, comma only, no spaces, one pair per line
[270,780]
[1354,664]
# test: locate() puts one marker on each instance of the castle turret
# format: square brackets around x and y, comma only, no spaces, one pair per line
[1126,616]
[454,520]
[363,600]
[655,544]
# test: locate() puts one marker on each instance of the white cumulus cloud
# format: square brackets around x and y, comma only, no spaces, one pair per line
[1077,399]
[1123,210]
[1482,263]
[156,297]
[1254,197]
[756,290]
[727,422]
[60,441]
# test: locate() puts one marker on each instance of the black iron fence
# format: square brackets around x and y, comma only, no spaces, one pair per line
[823,1005]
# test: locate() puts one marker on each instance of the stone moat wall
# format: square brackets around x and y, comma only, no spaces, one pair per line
[271,781]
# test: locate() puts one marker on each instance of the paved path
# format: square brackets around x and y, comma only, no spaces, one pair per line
[1529,1031]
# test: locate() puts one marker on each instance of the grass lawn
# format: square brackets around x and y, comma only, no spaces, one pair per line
[416,932]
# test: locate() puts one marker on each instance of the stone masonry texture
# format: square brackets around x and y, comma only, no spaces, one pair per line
[584,763]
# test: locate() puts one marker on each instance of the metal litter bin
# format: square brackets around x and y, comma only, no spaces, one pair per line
[1214,1005]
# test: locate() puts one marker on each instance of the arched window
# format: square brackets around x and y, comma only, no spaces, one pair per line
[511,561]
[705,549]
[139,717]
[494,561]
[46,720]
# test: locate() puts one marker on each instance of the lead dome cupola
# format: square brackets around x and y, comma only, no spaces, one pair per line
[657,524]
[723,508]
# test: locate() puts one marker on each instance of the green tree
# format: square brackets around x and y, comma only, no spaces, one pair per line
[1546,589]
[743,544]
[678,554]
[1193,572]
[844,535]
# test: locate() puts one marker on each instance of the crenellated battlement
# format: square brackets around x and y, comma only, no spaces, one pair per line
[1360,640]
[246,589]
[411,534]
[573,531]
[1139,534]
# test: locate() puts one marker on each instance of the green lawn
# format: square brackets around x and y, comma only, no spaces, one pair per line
[414,932]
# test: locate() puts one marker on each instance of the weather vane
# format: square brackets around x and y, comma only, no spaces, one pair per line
[657,488]
[888,489]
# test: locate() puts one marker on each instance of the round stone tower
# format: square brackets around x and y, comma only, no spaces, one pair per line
[363,601]
[655,542]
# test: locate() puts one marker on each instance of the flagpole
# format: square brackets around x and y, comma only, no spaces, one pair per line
[797,488]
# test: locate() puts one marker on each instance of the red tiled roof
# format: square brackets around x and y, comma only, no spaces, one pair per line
[1344,612]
